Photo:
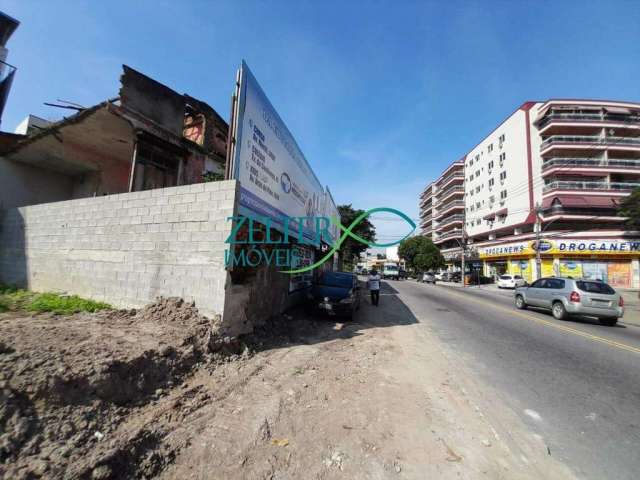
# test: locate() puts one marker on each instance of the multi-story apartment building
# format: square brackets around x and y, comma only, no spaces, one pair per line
[558,170]
[442,211]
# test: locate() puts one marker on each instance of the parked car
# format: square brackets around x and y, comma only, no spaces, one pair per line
[455,277]
[402,274]
[438,276]
[335,293]
[510,281]
[568,296]
[429,277]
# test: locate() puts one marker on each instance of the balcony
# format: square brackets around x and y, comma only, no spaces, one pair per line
[588,118]
[590,141]
[603,186]
[7,73]
[427,192]
[450,220]
[426,218]
[442,210]
[450,235]
[441,196]
[591,162]
[456,176]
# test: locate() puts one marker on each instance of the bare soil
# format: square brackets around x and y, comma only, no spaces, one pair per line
[158,394]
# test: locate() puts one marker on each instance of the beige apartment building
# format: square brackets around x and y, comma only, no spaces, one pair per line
[558,169]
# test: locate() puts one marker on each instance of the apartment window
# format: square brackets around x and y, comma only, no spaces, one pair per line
[503,194]
[477,158]
[503,176]
[490,165]
[491,182]
[490,148]
[478,205]
[501,139]
[471,162]
[477,173]
[478,189]
[503,157]
[471,208]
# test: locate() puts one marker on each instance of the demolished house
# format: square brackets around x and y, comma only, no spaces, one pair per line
[148,137]
[127,201]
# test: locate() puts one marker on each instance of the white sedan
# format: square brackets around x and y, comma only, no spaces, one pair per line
[510,281]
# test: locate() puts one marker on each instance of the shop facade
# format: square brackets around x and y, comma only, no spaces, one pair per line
[615,261]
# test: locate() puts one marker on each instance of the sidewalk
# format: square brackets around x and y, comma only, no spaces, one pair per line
[631,300]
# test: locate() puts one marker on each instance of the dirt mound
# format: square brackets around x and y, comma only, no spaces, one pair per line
[70,387]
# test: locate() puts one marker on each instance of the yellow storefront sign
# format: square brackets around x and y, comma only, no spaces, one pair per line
[563,246]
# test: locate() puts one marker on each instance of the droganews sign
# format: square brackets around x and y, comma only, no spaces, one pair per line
[573,246]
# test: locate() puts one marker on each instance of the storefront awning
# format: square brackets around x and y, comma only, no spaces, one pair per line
[501,213]
[580,201]
[491,216]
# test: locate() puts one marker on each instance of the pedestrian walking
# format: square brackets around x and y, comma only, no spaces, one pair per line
[374,287]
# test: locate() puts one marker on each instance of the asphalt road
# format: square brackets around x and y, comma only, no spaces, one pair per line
[575,383]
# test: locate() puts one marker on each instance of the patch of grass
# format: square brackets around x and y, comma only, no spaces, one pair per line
[12,298]
[51,302]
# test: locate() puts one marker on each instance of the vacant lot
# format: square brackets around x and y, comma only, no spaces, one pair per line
[159,394]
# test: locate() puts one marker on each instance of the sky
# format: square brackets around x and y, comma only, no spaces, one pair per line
[380,95]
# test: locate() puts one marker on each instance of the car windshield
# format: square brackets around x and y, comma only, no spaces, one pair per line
[505,277]
[595,287]
[336,280]
[517,277]
[391,267]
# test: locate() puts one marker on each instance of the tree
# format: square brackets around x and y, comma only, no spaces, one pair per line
[630,207]
[351,248]
[420,254]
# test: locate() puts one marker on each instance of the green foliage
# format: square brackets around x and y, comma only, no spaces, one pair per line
[212,177]
[630,207]
[50,302]
[351,249]
[420,254]
[12,298]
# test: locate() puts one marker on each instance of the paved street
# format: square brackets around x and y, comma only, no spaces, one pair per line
[575,383]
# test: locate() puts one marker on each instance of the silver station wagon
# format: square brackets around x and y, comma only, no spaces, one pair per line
[568,296]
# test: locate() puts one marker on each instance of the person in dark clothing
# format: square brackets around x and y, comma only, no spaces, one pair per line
[374,287]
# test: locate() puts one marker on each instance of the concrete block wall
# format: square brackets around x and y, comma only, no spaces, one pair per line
[124,249]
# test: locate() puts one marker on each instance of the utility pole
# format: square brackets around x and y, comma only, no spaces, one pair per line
[462,264]
[538,227]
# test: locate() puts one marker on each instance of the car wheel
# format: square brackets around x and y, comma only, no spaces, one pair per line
[608,321]
[520,303]
[558,311]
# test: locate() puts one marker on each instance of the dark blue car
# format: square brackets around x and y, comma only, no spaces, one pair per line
[336,293]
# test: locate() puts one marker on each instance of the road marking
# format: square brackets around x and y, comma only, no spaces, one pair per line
[595,338]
